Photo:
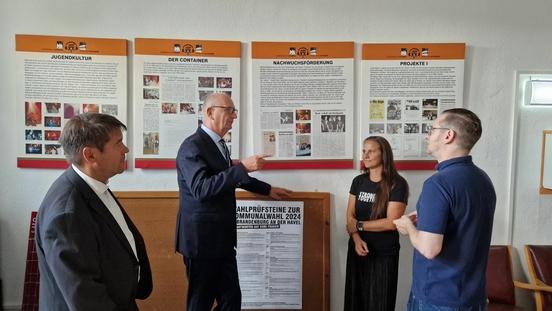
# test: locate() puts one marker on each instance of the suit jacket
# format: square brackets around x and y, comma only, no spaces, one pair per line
[84,258]
[206,223]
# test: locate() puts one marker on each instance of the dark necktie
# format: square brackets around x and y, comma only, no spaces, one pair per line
[226,152]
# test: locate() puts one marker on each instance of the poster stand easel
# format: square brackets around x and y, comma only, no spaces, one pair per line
[154,213]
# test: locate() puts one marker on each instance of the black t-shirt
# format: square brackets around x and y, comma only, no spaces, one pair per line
[384,242]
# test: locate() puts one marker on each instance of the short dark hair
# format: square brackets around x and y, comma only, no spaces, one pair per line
[87,130]
[465,123]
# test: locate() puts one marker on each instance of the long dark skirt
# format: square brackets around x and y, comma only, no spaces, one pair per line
[370,281]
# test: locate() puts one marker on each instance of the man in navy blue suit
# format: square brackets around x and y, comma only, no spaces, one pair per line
[206,223]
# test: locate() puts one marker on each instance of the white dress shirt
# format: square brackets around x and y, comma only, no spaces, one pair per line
[216,139]
[102,191]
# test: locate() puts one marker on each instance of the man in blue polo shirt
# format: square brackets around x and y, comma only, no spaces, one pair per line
[451,229]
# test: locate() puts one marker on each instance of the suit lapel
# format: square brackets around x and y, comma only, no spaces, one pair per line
[212,147]
[145,283]
[96,205]
[129,222]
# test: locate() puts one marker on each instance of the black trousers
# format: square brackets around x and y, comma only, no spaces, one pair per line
[212,280]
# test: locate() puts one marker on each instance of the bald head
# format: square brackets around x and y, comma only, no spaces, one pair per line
[219,113]
[216,99]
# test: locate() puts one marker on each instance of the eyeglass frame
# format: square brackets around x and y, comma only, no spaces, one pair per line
[431,128]
[226,108]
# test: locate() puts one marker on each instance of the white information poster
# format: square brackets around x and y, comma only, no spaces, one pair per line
[404,88]
[270,253]
[172,77]
[303,95]
[58,78]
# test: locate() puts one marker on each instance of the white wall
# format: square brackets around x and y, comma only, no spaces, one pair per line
[502,36]
[532,213]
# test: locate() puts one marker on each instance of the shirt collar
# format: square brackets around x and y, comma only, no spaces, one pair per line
[458,160]
[96,185]
[214,136]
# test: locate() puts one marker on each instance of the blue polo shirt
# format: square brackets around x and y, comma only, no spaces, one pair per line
[458,202]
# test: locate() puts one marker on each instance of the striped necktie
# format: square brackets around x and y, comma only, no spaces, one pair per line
[226,152]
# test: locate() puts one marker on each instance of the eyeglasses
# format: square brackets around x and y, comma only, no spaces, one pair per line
[431,128]
[227,109]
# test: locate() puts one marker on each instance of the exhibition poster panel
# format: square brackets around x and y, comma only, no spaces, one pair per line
[172,77]
[58,78]
[270,253]
[303,101]
[404,88]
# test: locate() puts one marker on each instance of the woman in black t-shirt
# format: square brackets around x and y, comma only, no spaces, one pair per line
[377,197]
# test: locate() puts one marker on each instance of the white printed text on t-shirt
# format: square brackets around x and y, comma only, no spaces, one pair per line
[366,197]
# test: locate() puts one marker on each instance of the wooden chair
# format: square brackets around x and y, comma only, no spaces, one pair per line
[539,264]
[500,282]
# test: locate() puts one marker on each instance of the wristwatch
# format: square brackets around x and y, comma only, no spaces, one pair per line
[359,226]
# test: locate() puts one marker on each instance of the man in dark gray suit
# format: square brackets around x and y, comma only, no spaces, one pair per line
[90,254]
[206,223]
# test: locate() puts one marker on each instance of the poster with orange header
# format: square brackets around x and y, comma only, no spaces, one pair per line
[172,78]
[303,102]
[404,88]
[57,78]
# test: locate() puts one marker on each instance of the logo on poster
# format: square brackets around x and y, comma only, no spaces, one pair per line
[188,48]
[302,51]
[425,52]
[71,46]
[414,53]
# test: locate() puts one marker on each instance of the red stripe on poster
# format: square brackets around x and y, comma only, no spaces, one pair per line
[49,163]
[155,164]
[415,165]
[308,165]
[42,163]
[402,165]
[270,165]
